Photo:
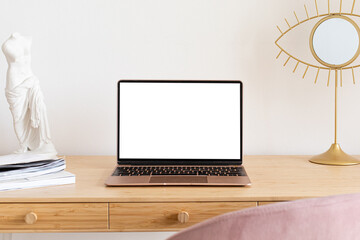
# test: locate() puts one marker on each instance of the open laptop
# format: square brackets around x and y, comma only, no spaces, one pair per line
[179,133]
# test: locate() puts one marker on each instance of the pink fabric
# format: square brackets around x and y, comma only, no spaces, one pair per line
[328,218]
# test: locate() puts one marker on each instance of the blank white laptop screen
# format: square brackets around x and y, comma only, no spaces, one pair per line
[179,120]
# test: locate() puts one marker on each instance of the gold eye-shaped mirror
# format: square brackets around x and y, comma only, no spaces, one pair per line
[335,44]
[335,41]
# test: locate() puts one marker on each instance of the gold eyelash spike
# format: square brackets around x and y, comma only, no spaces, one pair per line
[352,8]
[296,67]
[296,18]
[317,74]
[340,77]
[340,6]
[305,71]
[279,54]
[317,10]
[287,61]
[329,77]
[307,14]
[287,23]
[279,30]
[329,7]
[352,70]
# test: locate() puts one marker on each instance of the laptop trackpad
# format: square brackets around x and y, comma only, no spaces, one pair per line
[178,179]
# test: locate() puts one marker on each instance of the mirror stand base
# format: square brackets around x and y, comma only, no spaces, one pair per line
[334,156]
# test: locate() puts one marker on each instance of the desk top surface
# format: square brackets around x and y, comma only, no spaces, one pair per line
[274,178]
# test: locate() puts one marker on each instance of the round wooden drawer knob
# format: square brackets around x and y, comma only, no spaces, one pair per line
[30,218]
[183,217]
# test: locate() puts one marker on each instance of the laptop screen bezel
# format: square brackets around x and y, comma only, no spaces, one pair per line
[179,161]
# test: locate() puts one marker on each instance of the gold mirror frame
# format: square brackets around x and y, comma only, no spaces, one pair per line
[335,155]
[332,16]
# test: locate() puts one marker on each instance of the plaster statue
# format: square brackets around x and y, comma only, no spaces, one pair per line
[25,98]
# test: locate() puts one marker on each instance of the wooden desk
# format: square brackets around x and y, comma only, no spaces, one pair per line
[90,206]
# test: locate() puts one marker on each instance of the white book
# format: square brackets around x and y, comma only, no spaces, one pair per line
[59,178]
[24,158]
[55,166]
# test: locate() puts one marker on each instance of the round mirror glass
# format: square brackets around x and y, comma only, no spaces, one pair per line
[335,41]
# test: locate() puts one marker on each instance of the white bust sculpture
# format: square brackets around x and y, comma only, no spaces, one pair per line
[25,98]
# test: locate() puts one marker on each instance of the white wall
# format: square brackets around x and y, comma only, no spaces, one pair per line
[82,47]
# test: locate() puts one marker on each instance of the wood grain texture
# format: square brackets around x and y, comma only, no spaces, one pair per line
[274,178]
[265,203]
[164,216]
[54,216]
[84,207]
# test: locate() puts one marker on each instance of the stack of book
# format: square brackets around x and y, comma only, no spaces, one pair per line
[19,171]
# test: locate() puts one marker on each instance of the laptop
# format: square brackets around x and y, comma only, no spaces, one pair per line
[179,132]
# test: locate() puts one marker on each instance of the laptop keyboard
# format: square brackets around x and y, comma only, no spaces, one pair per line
[179,170]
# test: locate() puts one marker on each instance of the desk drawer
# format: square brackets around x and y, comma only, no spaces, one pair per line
[167,216]
[53,216]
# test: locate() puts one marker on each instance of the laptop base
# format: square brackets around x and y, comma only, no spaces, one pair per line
[178,180]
